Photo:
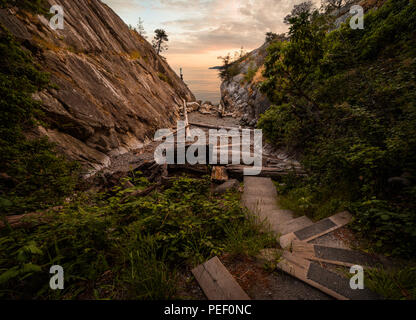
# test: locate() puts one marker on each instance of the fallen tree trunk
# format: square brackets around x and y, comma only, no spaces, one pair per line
[209,126]
[27,219]
[238,171]
[141,193]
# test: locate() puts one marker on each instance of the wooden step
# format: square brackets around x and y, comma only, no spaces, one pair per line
[271,172]
[253,201]
[317,229]
[217,282]
[328,282]
[261,192]
[274,219]
[337,256]
[295,225]
[260,197]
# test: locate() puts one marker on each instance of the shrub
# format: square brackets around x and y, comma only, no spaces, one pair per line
[32,175]
[345,101]
[131,250]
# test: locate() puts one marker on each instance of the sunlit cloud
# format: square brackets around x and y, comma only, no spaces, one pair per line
[199,30]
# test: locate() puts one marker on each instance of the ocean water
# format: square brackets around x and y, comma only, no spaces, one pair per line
[204,83]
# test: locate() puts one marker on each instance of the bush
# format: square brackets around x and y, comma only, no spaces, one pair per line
[345,101]
[131,250]
[32,175]
[251,72]
[35,6]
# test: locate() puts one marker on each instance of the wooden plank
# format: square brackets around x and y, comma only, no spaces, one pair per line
[332,255]
[209,126]
[260,198]
[294,225]
[217,282]
[185,112]
[269,172]
[318,277]
[317,230]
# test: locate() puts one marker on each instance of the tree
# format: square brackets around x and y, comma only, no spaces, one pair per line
[140,28]
[270,36]
[230,68]
[159,41]
[290,64]
[331,5]
[298,10]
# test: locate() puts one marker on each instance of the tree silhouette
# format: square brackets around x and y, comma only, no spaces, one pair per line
[298,10]
[270,36]
[330,5]
[159,41]
[140,28]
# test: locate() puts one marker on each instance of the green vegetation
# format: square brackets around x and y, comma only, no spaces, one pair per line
[135,55]
[31,175]
[164,78]
[251,72]
[35,6]
[345,101]
[231,65]
[397,284]
[113,244]
[126,249]
[159,41]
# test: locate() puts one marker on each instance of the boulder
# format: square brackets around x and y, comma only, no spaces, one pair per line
[192,106]
[232,184]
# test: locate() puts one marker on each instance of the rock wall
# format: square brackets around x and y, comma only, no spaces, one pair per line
[241,95]
[110,91]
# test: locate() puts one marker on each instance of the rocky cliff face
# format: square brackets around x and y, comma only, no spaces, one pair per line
[111,90]
[241,94]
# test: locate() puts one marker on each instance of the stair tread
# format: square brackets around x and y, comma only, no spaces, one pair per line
[334,255]
[326,281]
[295,225]
[317,229]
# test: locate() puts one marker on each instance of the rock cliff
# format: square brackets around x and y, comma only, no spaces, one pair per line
[110,91]
[241,95]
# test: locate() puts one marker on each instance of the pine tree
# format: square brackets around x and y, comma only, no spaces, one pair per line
[159,41]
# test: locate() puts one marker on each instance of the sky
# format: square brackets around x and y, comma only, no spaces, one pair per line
[202,30]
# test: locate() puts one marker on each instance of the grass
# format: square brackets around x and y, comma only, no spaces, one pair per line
[247,238]
[302,199]
[164,78]
[135,55]
[397,284]
[251,72]
[133,250]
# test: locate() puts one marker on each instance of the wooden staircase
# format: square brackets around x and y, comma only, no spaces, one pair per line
[300,258]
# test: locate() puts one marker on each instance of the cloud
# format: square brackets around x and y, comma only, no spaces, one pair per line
[123,5]
[201,26]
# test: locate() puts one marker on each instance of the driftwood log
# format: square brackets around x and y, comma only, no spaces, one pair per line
[28,219]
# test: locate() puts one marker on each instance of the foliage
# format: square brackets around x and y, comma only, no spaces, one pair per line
[345,101]
[35,6]
[271,36]
[140,28]
[229,68]
[331,5]
[396,284]
[164,78]
[110,249]
[251,72]
[159,41]
[32,176]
